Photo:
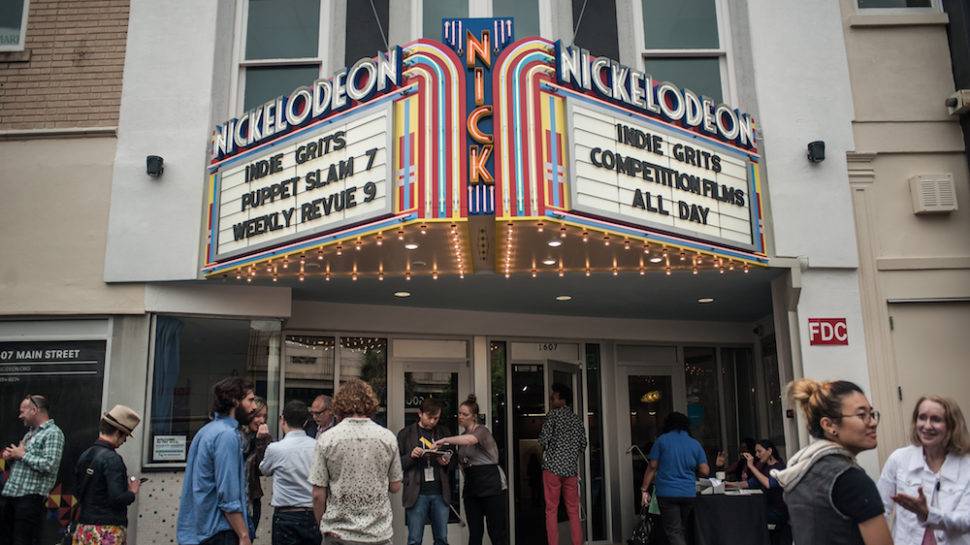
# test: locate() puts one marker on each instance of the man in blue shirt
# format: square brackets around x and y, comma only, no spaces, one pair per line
[676,460]
[212,509]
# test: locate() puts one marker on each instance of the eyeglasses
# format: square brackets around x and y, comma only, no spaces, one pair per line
[318,413]
[869,417]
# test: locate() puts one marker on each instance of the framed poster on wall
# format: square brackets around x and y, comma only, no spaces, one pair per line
[70,374]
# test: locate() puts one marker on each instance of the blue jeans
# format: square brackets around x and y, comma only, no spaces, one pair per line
[295,528]
[417,516]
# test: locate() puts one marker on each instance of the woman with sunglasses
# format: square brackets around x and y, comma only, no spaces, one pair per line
[930,479]
[830,499]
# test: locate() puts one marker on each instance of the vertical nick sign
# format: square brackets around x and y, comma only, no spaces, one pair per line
[478,42]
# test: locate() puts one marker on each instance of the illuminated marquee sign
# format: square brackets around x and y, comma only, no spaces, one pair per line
[478,124]
[349,158]
[320,181]
[588,142]
[650,175]
[478,41]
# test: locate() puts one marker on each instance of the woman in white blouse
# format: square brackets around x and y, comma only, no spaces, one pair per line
[927,484]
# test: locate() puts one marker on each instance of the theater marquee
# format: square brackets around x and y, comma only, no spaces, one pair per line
[653,175]
[417,143]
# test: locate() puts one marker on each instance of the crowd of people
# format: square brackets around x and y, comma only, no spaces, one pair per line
[334,470]
[821,496]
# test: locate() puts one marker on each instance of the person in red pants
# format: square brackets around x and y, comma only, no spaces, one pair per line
[563,440]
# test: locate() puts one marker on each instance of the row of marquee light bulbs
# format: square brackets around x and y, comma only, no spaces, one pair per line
[275,266]
[653,253]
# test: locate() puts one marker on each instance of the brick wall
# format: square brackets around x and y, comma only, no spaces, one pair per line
[70,75]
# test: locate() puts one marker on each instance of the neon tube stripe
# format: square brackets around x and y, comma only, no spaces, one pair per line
[554,150]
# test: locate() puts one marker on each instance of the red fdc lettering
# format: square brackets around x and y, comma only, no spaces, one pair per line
[828,331]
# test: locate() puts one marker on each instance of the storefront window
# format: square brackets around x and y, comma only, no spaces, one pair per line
[595,27]
[190,355]
[366,358]
[279,35]
[436,10]
[499,374]
[284,48]
[683,45]
[685,24]
[866,4]
[13,23]
[309,361]
[703,403]
[701,75]
[597,481]
[267,82]
[524,12]
[282,29]
[776,417]
[367,22]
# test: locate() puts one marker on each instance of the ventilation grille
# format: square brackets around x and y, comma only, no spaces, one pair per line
[933,193]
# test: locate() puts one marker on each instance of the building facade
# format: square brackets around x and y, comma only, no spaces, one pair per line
[457,237]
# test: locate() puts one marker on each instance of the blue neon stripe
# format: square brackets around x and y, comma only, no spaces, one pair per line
[755,221]
[424,59]
[554,151]
[520,200]
[407,156]
[217,181]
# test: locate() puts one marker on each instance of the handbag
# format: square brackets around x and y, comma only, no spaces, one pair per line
[641,532]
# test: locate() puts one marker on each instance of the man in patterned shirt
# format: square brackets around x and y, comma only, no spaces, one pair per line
[36,461]
[355,468]
[563,440]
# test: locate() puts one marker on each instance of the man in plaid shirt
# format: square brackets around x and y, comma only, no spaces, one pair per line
[35,461]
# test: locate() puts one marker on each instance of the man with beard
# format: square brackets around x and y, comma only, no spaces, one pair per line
[213,507]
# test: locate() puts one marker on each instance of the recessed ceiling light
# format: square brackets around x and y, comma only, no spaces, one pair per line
[656,259]
[419,263]
[411,246]
[548,261]
[705,300]
[555,243]
[402,294]
[564,298]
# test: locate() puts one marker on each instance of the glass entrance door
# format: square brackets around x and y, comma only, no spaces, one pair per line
[448,383]
[645,395]
[530,388]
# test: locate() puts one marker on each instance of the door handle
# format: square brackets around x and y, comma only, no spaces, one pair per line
[638,451]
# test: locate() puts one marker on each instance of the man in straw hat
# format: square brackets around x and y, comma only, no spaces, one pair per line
[103,487]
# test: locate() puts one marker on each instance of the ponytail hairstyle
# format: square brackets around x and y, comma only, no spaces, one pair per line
[472,403]
[820,399]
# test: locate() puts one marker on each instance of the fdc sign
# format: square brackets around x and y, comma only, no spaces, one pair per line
[831,331]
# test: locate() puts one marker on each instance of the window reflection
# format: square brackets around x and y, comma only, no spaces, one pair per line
[366,358]
[309,367]
[703,404]
[191,354]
